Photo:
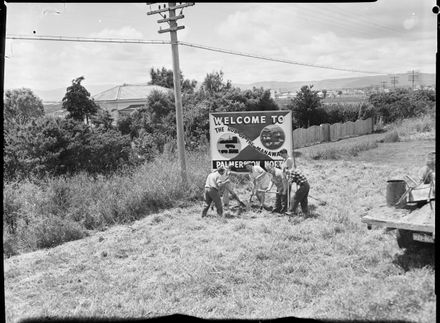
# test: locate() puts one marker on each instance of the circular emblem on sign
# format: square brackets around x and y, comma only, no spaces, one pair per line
[228,145]
[272,137]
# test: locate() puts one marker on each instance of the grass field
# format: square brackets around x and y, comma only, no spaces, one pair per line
[256,265]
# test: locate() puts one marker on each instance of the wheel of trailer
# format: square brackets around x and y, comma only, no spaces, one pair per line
[404,238]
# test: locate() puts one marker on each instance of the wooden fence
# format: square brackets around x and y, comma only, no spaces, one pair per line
[331,132]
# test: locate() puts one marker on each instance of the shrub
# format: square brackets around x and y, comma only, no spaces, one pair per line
[391,137]
[50,231]
[402,103]
[49,146]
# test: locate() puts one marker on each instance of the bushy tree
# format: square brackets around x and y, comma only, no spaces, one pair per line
[21,106]
[164,77]
[53,146]
[214,83]
[102,119]
[306,108]
[402,103]
[78,103]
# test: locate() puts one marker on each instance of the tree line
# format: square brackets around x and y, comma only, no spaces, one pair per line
[37,145]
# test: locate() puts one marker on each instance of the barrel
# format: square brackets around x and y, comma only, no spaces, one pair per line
[395,189]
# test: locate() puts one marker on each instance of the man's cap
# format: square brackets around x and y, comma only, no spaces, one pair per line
[283,151]
[221,167]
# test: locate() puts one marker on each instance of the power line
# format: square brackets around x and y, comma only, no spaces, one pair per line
[89,40]
[140,41]
[276,59]
[356,18]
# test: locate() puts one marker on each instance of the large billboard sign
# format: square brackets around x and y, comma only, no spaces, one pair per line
[239,138]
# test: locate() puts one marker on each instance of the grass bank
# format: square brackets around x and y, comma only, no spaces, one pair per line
[256,266]
[421,128]
[46,213]
[50,212]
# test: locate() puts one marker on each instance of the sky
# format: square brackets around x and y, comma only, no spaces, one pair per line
[387,36]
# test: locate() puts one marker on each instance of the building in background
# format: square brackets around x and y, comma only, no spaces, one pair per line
[126,98]
[118,101]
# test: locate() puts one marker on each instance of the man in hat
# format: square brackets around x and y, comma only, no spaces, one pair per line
[212,186]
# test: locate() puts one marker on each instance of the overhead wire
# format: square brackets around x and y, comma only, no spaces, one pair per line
[140,41]
[342,17]
[345,26]
[357,18]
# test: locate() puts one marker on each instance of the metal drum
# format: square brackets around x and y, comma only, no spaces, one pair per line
[395,189]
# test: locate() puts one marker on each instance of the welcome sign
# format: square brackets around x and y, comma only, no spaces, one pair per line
[240,138]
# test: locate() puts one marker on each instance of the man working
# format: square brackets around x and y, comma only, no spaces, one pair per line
[260,181]
[280,181]
[287,163]
[226,189]
[212,186]
[301,194]
[427,172]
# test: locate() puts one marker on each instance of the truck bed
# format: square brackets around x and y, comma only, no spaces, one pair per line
[421,219]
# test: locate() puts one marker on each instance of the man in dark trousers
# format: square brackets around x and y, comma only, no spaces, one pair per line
[301,194]
[212,186]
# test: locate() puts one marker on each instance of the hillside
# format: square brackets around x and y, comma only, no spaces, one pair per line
[344,83]
[253,266]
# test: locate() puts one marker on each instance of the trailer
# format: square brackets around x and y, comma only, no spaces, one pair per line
[411,213]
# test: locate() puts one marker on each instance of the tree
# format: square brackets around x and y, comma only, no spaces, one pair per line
[164,77]
[102,119]
[78,103]
[53,146]
[306,107]
[22,105]
[214,83]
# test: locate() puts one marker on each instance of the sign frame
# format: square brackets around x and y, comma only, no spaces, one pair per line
[242,137]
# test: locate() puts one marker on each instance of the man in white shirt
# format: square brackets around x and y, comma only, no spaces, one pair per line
[212,186]
[280,181]
[226,190]
[260,180]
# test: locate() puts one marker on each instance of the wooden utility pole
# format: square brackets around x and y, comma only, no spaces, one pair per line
[172,21]
[394,81]
[383,84]
[412,76]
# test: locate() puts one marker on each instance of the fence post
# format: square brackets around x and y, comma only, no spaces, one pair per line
[325,132]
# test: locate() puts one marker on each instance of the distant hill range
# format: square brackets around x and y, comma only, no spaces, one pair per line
[425,79]
[50,97]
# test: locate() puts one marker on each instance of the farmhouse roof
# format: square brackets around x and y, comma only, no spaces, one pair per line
[128,92]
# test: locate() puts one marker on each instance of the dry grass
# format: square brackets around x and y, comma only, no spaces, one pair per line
[421,128]
[62,209]
[326,266]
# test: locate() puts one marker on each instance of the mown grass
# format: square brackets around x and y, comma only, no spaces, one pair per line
[256,266]
[404,130]
[48,213]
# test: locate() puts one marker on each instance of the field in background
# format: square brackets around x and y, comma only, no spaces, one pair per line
[257,265]
[345,100]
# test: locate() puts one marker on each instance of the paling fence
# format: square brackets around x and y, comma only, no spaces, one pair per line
[331,132]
